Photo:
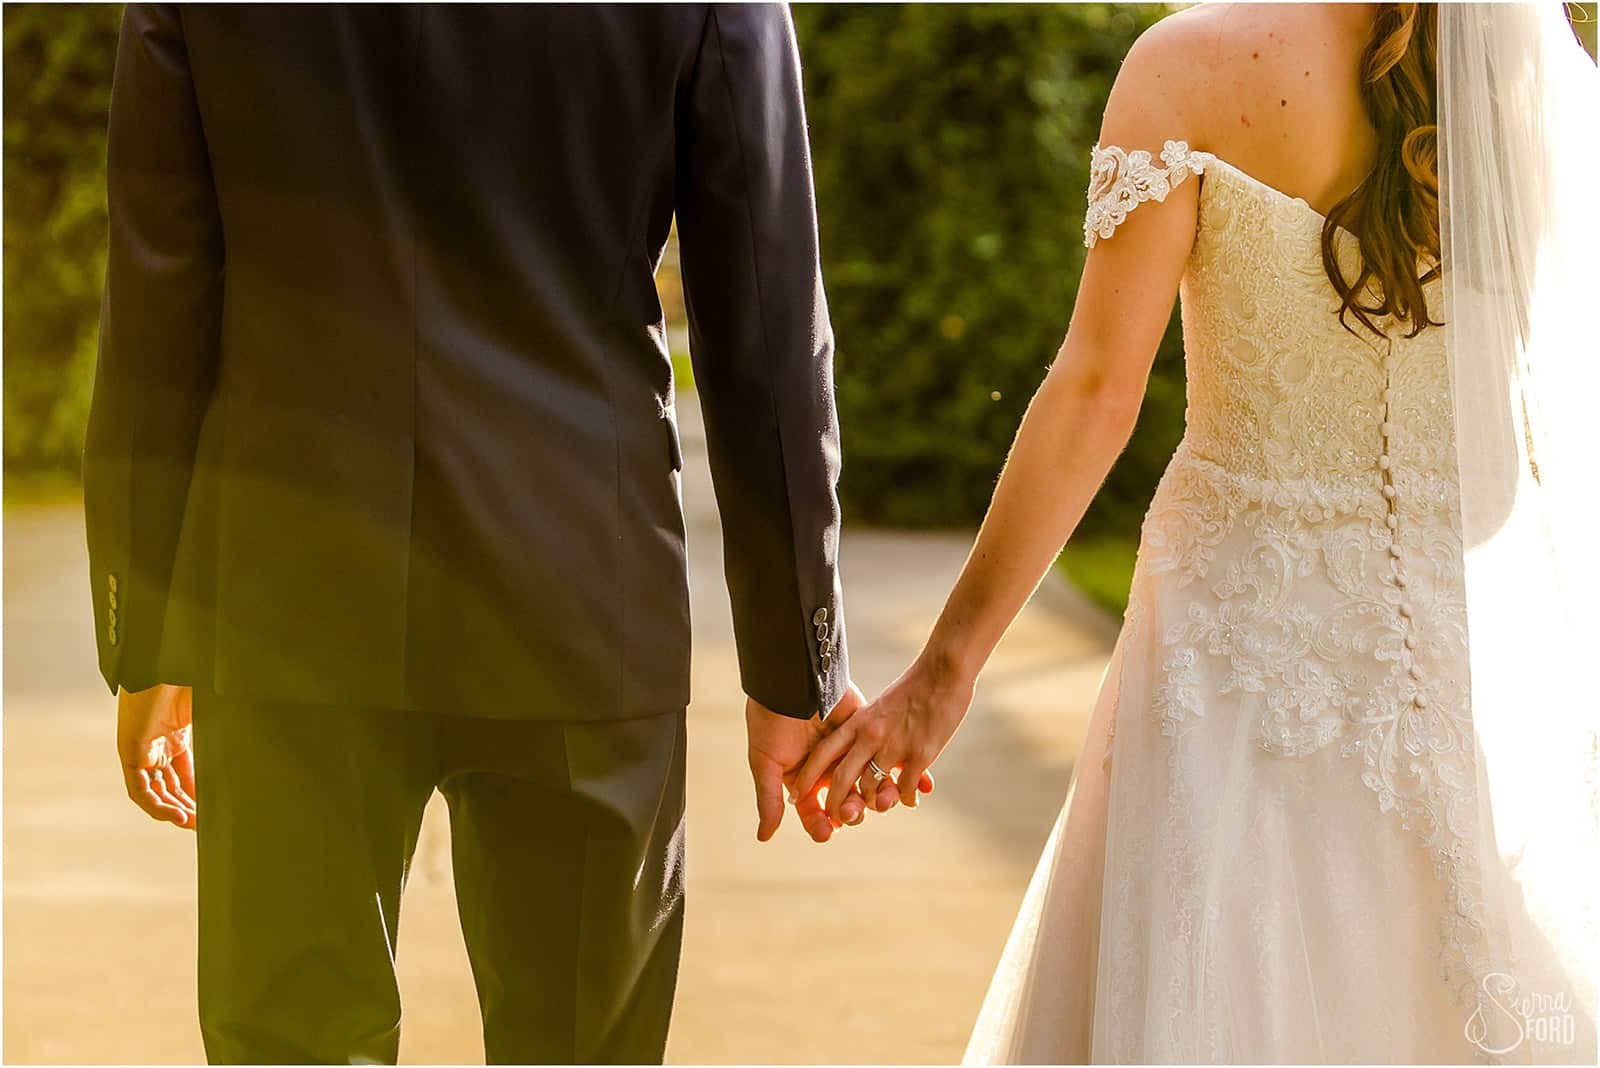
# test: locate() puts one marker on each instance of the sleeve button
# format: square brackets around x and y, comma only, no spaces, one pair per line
[819,617]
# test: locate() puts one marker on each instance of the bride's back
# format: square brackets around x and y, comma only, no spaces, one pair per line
[1278,93]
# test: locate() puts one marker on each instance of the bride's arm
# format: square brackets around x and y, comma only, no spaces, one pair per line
[1077,423]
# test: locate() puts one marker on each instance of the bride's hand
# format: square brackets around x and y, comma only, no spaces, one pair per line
[906,728]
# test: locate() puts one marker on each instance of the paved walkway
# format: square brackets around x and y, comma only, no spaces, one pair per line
[99,901]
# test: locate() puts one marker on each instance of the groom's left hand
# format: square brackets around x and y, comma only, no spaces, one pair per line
[778,746]
[153,745]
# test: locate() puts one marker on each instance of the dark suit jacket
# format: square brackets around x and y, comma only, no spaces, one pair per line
[384,409]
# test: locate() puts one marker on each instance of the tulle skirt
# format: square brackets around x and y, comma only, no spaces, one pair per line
[1208,898]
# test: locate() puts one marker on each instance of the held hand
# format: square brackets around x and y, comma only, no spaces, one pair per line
[907,728]
[153,744]
[778,746]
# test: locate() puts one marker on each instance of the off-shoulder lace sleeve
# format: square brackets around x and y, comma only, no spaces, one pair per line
[1120,181]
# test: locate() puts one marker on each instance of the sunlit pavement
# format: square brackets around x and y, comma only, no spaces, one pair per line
[874,948]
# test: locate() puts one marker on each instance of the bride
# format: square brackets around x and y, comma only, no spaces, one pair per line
[1338,799]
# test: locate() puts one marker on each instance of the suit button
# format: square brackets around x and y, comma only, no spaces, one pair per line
[111,599]
[822,631]
[827,663]
[111,634]
[826,649]
[819,617]
[111,583]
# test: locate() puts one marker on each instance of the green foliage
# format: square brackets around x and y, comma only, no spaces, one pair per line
[58,61]
[951,148]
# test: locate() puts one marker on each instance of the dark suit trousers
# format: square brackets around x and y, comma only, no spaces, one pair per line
[567,842]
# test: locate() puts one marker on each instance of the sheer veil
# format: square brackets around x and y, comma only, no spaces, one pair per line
[1518,114]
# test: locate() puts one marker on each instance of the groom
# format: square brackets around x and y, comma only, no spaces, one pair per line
[382,482]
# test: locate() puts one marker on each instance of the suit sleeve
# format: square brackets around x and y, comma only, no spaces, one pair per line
[159,328]
[762,349]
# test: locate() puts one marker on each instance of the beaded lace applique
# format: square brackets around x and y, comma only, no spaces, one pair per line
[1120,181]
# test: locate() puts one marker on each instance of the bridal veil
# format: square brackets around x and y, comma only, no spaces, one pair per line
[1518,110]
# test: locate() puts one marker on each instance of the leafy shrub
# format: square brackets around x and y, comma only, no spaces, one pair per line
[58,61]
[951,149]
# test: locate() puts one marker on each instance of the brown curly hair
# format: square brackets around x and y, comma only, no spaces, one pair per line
[1394,212]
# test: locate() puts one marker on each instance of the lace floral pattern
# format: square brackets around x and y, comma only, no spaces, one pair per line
[1301,561]
[1120,181]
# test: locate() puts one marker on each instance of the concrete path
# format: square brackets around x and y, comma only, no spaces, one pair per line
[875,948]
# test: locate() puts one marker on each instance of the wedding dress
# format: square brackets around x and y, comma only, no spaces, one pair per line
[1270,851]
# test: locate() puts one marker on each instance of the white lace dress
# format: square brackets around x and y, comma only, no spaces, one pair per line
[1268,852]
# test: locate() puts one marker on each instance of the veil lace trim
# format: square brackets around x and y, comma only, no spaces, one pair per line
[1120,181]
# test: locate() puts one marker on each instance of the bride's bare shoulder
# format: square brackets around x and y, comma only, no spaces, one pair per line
[1247,81]
[1184,68]
[1153,99]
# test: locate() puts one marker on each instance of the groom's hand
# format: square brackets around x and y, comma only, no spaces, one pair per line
[778,746]
[153,744]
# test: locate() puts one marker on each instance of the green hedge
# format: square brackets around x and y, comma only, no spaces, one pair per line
[951,148]
[58,61]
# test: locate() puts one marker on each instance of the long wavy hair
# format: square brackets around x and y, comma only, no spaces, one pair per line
[1394,212]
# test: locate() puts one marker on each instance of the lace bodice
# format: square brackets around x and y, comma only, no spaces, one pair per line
[1301,560]
[1278,389]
